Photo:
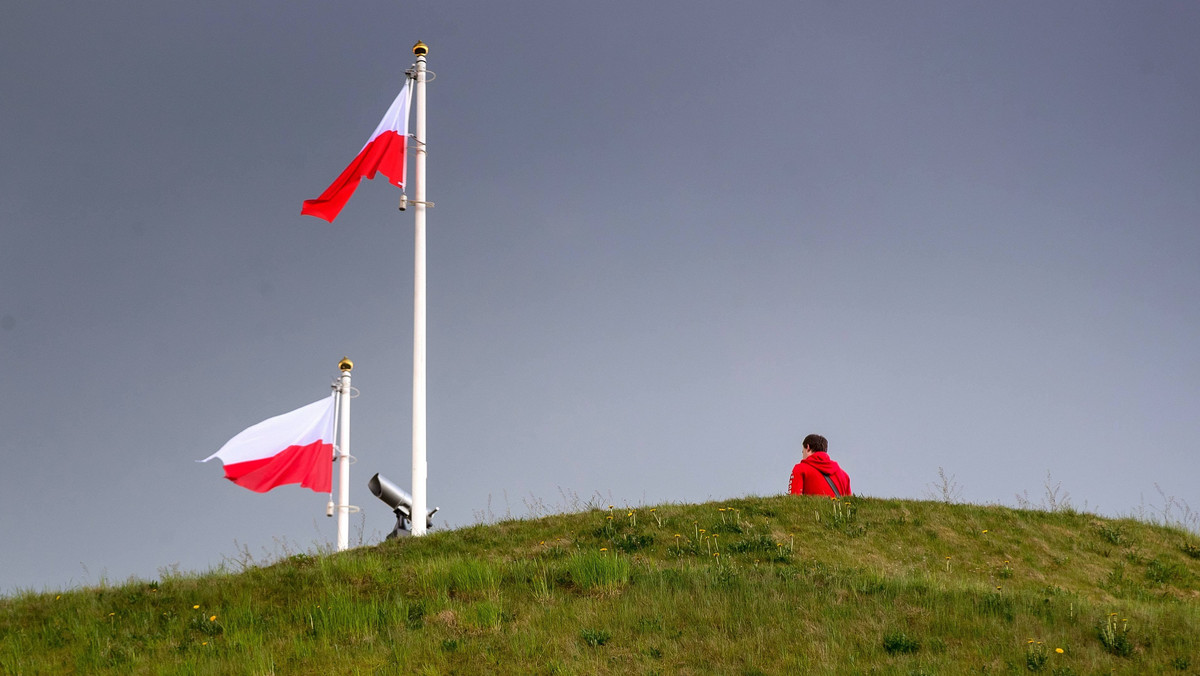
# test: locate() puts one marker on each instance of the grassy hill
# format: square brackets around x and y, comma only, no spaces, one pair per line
[778,585]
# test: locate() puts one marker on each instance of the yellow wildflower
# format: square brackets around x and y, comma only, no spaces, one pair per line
[1058,650]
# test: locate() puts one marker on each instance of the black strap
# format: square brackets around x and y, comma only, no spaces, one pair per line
[830,482]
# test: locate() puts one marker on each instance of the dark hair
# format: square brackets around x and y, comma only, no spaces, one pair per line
[816,443]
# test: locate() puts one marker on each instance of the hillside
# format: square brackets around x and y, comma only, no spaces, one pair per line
[775,585]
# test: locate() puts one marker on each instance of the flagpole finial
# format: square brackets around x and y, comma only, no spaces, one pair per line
[420,49]
[345,364]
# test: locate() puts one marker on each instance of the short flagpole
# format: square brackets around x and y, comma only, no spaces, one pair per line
[419,467]
[343,442]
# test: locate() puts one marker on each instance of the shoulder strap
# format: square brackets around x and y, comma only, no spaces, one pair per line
[830,482]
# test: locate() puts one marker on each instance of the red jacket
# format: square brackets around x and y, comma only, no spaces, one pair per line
[807,477]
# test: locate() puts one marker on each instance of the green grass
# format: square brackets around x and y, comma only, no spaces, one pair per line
[776,585]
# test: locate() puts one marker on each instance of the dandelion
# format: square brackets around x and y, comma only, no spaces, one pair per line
[197,607]
[604,549]
[610,517]
[985,530]
[1029,641]
[610,506]
[629,514]
[204,643]
[702,530]
[677,535]
[111,614]
[213,618]
[653,509]
[58,597]
[720,509]
[1058,650]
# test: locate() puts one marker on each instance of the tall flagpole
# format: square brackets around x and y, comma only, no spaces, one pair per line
[419,467]
[343,442]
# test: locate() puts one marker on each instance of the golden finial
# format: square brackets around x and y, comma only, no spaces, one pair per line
[345,364]
[420,49]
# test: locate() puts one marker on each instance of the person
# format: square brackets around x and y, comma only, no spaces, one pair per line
[816,474]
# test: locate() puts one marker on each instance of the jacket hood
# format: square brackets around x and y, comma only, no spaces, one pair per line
[821,463]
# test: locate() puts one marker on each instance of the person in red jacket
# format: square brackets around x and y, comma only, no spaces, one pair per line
[816,474]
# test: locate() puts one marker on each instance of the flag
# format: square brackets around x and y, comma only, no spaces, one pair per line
[293,448]
[383,153]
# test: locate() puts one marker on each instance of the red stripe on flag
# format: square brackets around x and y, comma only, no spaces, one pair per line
[310,466]
[384,154]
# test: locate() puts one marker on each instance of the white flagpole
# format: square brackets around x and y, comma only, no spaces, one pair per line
[419,467]
[343,442]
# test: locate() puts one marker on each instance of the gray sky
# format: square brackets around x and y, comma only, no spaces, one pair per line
[670,240]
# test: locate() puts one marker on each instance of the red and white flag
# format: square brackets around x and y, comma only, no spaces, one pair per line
[293,448]
[383,153]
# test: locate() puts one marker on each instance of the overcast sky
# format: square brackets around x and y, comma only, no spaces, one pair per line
[669,241]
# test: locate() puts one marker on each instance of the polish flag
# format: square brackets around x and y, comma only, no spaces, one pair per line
[293,448]
[384,153]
